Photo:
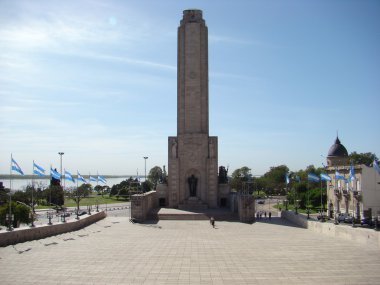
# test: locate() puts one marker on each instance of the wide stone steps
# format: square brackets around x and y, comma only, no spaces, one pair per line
[177,214]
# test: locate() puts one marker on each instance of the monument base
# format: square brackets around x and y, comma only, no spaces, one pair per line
[192,203]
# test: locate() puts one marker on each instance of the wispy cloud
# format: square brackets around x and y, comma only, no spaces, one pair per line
[218,39]
[122,59]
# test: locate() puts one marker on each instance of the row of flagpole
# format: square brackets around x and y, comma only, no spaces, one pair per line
[40,171]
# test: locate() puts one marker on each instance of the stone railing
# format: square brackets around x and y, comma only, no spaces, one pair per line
[27,234]
[364,236]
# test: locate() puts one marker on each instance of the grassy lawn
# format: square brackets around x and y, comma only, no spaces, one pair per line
[291,208]
[92,200]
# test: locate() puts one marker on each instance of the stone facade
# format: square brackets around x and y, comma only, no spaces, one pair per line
[354,197]
[192,154]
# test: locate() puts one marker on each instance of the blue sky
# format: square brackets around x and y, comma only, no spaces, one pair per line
[97,80]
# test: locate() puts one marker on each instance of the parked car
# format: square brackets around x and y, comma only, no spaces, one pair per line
[366,222]
[349,219]
[342,217]
[81,212]
[261,202]
[323,217]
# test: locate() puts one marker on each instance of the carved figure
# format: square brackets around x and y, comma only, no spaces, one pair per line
[223,175]
[192,180]
[174,149]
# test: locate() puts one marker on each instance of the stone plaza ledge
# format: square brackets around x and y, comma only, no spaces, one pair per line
[363,236]
[19,235]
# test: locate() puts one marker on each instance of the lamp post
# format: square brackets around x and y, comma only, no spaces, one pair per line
[49,216]
[145,158]
[61,153]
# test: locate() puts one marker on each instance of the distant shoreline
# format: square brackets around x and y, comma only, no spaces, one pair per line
[8,177]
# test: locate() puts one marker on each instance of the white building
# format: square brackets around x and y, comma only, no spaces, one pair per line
[359,197]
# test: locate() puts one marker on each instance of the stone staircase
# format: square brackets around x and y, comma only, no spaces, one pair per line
[192,203]
[178,214]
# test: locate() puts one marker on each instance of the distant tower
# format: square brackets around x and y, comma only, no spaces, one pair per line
[337,154]
[192,154]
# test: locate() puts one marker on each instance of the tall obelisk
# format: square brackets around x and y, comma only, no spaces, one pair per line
[192,154]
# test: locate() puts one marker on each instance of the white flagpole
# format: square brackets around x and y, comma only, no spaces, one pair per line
[32,195]
[321,198]
[10,197]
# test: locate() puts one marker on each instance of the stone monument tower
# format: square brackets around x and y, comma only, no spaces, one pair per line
[192,154]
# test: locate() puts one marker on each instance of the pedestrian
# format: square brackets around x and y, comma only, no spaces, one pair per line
[212,222]
[265,214]
[270,215]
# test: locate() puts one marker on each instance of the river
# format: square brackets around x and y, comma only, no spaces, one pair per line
[21,184]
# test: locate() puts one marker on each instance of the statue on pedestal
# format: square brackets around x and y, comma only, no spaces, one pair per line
[192,180]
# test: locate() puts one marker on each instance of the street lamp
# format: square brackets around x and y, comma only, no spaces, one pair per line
[145,158]
[61,153]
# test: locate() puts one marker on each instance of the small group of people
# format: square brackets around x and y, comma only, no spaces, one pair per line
[259,215]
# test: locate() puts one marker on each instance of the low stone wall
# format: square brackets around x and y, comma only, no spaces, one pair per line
[246,208]
[39,232]
[143,204]
[364,236]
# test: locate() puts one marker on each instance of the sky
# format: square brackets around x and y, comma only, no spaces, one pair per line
[97,80]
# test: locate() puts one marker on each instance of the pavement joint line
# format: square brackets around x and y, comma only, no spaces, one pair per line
[192,253]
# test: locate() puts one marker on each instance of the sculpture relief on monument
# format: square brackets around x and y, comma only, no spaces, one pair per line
[193,154]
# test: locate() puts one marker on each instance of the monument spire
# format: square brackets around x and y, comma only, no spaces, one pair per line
[192,154]
[192,85]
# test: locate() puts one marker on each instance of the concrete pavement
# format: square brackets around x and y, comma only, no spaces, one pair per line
[114,251]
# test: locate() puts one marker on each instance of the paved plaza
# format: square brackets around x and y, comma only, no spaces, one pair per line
[114,251]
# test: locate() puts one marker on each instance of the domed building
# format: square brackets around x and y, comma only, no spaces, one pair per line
[337,154]
[354,190]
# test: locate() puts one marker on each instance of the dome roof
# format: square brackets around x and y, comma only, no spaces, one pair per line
[337,149]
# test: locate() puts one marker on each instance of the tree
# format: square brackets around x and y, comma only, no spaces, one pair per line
[100,189]
[123,193]
[54,195]
[275,179]
[81,192]
[85,189]
[239,176]
[155,175]
[129,185]
[21,214]
[363,158]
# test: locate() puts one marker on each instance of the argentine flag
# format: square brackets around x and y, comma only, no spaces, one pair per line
[80,177]
[312,177]
[376,166]
[352,173]
[92,178]
[102,179]
[54,174]
[16,167]
[339,176]
[68,176]
[325,177]
[38,170]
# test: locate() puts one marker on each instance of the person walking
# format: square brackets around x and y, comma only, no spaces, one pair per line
[212,222]
[270,215]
